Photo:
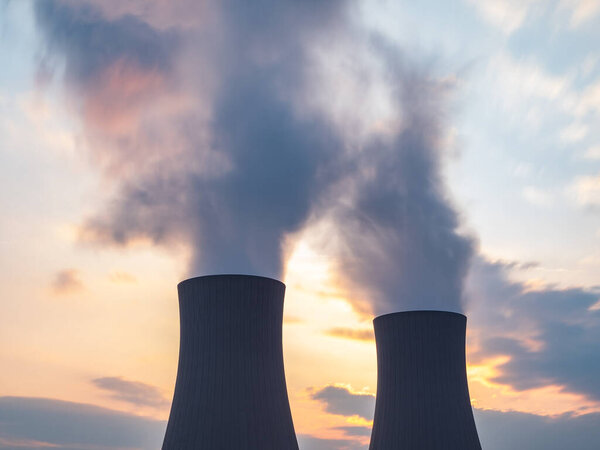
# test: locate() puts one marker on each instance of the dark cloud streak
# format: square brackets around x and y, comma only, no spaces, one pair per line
[498,430]
[509,430]
[564,330]
[307,442]
[67,425]
[340,400]
[67,281]
[133,392]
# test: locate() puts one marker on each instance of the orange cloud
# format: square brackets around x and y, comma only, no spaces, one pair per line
[66,281]
[550,400]
[292,320]
[352,333]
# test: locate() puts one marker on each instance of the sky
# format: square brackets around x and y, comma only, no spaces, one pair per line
[375,156]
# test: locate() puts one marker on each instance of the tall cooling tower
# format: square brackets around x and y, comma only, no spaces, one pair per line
[230,392]
[422,393]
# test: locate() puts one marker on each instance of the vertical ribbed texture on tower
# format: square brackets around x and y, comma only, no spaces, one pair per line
[230,392]
[422,393]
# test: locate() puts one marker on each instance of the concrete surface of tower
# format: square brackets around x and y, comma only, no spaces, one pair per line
[422,393]
[230,392]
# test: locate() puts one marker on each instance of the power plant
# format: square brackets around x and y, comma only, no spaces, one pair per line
[230,392]
[422,392]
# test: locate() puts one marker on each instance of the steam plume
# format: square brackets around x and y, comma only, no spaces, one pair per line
[215,132]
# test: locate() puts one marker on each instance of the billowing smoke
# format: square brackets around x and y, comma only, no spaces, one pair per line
[210,122]
[398,243]
[243,167]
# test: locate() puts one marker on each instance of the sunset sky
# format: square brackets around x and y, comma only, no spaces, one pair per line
[375,156]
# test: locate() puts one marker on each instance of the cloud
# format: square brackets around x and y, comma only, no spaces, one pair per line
[33,423]
[355,430]
[587,191]
[351,333]
[67,281]
[508,16]
[292,320]
[498,430]
[525,89]
[574,132]
[341,400]
[27,422]
[508,430]
[511,15]
[556,105]
[537,196]
[133,392]
[581,10]
[551,336]
[307,442]
[593,152]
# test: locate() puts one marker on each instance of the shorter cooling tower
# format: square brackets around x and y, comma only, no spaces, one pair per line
[230,392]
[422,393]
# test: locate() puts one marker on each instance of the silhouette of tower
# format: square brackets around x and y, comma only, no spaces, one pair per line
[230,392]
[422,393]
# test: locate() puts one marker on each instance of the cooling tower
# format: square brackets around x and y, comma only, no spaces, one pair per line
[230,392]
[422,393]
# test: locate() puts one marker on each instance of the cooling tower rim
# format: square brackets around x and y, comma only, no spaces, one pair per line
[419,312]
[228,275]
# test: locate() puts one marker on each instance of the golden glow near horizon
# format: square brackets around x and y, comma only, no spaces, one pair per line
[313,357]
[123,322]
[549,400]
